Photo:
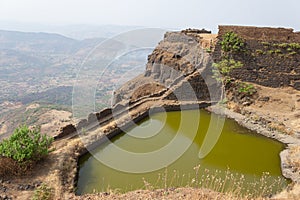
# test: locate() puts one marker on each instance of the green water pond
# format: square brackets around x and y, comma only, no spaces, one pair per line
[240,161]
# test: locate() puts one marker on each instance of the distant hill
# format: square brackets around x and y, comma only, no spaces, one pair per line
[34,63]
[76,31]
[41,42]
[33,42]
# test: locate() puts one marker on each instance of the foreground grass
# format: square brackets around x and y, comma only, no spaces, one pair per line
[208,185]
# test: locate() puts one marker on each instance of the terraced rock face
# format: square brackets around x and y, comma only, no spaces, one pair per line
[178,69]
[271,56]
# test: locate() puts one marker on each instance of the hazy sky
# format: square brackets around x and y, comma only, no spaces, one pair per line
[154,13]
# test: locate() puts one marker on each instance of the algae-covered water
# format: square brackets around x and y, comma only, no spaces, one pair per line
[241,160]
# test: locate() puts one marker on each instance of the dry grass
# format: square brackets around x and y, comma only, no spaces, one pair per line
[228,186]
[10,168]
[43,192]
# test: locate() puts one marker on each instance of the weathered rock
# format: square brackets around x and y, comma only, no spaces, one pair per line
[65,131]
[297,85]
[264,99]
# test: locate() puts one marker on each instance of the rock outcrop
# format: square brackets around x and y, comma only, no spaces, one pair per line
[178,69]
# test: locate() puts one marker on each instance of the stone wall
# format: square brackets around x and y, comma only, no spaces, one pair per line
[265,63]
[262,33]
[196,87]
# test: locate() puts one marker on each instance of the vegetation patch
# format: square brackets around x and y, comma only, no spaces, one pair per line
[246,88]
[43,192]
[24,148]
[232,43]
[224,67]
[26,144]
[280,49]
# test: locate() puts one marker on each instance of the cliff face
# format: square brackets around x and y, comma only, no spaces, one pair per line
[178,69]
[271,57]
[182,64]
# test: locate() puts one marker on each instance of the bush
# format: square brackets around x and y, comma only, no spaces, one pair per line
[26,145]
[232,42]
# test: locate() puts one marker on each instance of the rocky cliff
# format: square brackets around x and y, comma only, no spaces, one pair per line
[178,69]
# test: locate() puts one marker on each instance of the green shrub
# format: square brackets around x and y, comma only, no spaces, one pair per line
[294,45]
[26,145]
[225,66]
[232,42]
[283,45]
[43,192]
[222,69]
[246,88]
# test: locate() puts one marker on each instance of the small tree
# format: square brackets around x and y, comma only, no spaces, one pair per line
[26,145]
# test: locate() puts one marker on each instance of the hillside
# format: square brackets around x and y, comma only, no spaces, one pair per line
[37,68]
[34,62]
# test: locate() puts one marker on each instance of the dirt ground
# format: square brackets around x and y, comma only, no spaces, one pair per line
[50,120]
[281,106]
